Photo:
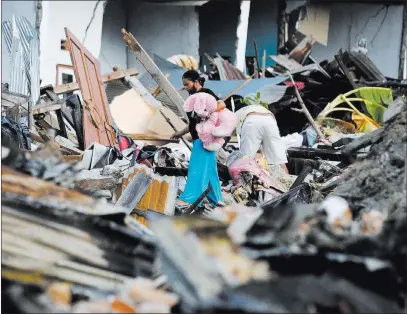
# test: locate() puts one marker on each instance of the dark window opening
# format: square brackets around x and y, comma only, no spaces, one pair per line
[66,79]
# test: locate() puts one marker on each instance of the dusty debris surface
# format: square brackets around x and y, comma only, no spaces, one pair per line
[90,183]
[379,181]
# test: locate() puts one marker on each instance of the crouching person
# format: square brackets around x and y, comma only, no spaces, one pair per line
[257,128]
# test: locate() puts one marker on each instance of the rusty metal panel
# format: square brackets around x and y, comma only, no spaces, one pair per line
[97,120]
[160,195]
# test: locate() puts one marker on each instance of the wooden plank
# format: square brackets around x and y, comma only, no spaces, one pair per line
[36,137]
[61,123]
[116,75]
[155,72]
[345,70]
[146,137]
[46,108]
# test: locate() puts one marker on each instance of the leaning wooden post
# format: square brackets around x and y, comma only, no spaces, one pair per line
[304,109]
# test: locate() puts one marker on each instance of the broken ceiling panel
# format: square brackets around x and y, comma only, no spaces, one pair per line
[316,23]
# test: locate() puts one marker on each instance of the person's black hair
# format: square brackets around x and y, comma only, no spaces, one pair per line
[193,76]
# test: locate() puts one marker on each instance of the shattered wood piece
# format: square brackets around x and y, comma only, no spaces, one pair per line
[134,191]
[345,70]
[286,62]
[256,69]
[63,141]
[256,59]
[145,137]
[154,71]
[36,137]
[263,67]
[174,128]
[313,153]
[90,186]
[57,146]
[156,92]
[90,181]
[46,108]
[133,82]
[72,158]
[363,142]
[191,209]
[221,70]
[116,75]
[211,60]
[68,116]
[61,123]
[365,65]
[304,173]
[305,110]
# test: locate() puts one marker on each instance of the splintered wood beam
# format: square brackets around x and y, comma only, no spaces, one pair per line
[304,109]
[46,108]
[154,71]
[151,137]
[116,75]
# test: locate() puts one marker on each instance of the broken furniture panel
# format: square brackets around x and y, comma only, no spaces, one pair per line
[97,121]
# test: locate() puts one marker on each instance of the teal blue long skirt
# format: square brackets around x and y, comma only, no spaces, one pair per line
[202,172]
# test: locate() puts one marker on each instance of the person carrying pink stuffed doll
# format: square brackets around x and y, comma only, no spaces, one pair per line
[215,121]
[202,170]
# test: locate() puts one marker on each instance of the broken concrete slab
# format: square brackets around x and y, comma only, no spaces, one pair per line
[394,109]
[103,194]
[89,181]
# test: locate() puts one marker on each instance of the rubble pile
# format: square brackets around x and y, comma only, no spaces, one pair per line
[89,217]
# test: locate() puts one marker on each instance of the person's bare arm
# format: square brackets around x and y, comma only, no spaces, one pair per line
[181,133]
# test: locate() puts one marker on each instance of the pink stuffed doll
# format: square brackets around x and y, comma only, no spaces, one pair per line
[215,123]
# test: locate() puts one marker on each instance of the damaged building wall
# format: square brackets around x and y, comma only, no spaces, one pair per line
[165,30]
[379,24]
[83,18]
[113,51]
[218,22]
[263,27]
[26,8]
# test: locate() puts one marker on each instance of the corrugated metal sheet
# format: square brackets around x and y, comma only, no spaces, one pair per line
[22,42]
[97,120]
[266,86]
[114,89]
[160,195]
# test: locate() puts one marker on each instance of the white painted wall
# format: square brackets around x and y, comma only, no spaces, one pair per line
[75,15]
[8,9]
[241,34]
[113,51]
[351,21]
[165,30]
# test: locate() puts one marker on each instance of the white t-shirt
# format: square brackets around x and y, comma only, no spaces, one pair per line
[243,112]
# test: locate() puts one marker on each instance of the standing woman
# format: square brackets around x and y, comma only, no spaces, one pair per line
[202,170]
